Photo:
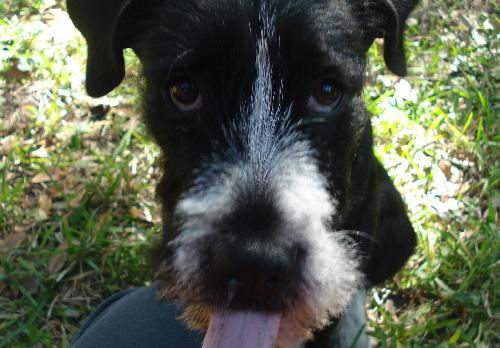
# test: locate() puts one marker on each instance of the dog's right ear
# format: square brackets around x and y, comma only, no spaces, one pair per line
[98,21]
[386,19]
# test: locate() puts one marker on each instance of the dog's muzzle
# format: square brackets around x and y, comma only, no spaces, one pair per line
[257,251]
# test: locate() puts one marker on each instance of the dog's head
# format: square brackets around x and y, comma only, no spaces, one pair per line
[257,108]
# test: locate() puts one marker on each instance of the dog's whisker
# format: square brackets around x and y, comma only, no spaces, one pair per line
[312,121]
[360,234]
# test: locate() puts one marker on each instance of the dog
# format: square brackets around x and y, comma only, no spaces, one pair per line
[276,212]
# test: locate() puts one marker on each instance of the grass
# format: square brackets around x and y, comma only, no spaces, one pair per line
[76,182]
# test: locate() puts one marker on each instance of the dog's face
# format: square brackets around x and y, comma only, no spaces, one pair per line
[258,111]
[257,108]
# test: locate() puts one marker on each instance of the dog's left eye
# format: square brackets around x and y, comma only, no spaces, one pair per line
[325,97]
[185,95]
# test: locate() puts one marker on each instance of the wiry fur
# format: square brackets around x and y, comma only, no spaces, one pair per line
[254,165]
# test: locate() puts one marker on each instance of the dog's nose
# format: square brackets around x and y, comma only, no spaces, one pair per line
[254,269]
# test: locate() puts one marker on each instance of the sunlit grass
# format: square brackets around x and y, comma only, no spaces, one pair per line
[437,134]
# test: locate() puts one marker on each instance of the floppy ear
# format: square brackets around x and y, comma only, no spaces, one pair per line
[98,21]
[386,18]
[395,239]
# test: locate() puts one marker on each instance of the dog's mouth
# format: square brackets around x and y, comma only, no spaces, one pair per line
[242,329]
[232,318]
[256,299]
[238,308]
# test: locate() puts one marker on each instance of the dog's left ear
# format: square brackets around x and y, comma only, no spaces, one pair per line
[98,21]
[386,19]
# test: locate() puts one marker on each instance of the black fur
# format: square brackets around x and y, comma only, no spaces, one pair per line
[211,42]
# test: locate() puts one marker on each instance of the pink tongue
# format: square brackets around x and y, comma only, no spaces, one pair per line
[242,330]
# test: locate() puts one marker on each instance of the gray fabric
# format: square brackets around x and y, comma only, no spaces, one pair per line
[133,318]
[351,330]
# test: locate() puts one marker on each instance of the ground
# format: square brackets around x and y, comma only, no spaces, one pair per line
[77,209]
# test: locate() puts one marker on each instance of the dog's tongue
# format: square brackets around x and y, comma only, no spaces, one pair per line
[243,329]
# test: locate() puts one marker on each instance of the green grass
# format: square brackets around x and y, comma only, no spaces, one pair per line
[446,136]
[77,208]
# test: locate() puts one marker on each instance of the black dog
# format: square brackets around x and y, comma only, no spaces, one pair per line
[269,169]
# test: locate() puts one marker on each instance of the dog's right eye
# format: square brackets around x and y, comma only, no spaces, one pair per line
[185,95]
[325,97]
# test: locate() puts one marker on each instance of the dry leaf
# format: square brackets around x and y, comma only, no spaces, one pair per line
[32,284]
[12,240]
[147,215]
[56,263]
[58,174]
[39,215]
[44,202]
[79,188]
[132,123]
[71,313]
[445,168]
[5,147]
[466,235]
[137,213]
[156,219]
[54,193]
[40,153]
[75,202]
[28,204]
[71,183]
[80,276]
[39,178]
[14,74]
